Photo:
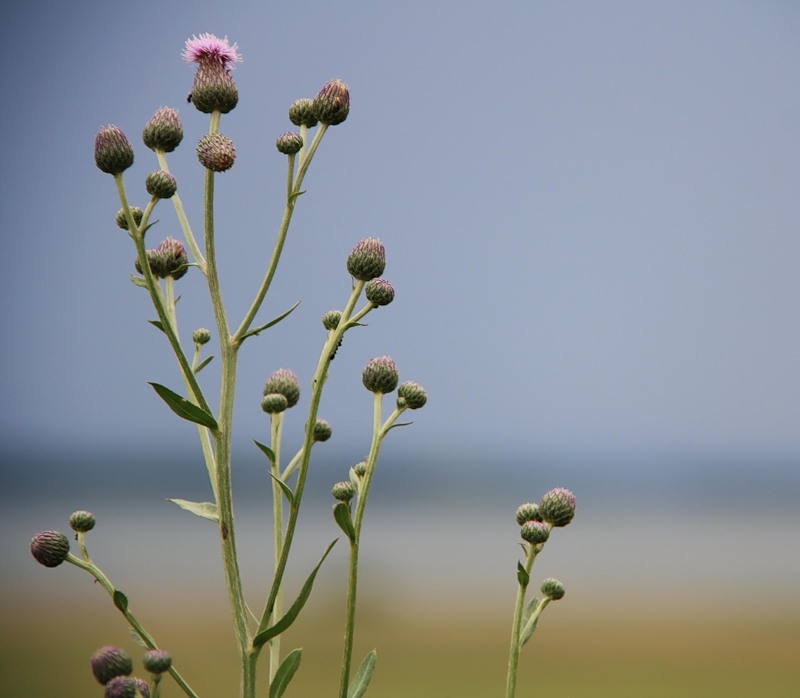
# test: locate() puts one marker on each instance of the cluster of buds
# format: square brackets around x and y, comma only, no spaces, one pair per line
[168,259]
[556,509]
[281,391]
[330,107]
[112,667]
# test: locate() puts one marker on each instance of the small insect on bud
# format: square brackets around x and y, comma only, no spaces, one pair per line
[535,532]
[301,113]
[411,395]
[322,430]
[289,143]
[161,184]
[157,661]
[201,336]
[332,104]
[343,491]
[164,132]
[379,292]
[553,589]
[367,259]
[122,220]
[50,548]
[82,521]
[380,375]
[330,320]
[216,152]
[557,506]
[286,383]
[112,150]
[528,512]
[110,661]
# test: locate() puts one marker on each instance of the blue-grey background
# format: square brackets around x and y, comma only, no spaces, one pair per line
[591,219]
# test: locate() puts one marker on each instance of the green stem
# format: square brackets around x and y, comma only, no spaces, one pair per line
[277,525]
[513,657]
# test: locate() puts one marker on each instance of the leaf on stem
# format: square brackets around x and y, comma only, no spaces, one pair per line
[399,424]
[202,364]
[285,673]
[267,451]
[297,606]
[522,575]
[343,517]
[275,321]
[286,489]
[138,281]
[205,510]
[360,683]
[120,601]
[529,622]
[157,324]
[185,409]
[138,639]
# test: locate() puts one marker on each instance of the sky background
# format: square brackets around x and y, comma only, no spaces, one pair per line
[590,212]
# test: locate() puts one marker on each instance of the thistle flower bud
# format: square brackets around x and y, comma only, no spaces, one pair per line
[82,521]
[164,131]
[379,292]
[112,150]
[155,262]
[535,532]
[360,468]
[157,661]
[343,491]
[528,512]
[50,548]
[301,113]
[126,687]
[142,686]
[380,375]
[553,589]
[332,104]
[274,403]
[110,661]
[161,184]
[201,336]
[216,152]
[411,395]
[557,506]
[367,259]
[213,88]
[289,143]
[330,320]
[322,430]
[286,383]
[122,220]
[172,259]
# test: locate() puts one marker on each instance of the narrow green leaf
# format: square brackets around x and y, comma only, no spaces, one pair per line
[529,622]
[399,424]
[285,673]
[138,281]
[522,576]
[342,516]
[272,322]
[183,408]
[120,601]
[266,450]
[297,606]
[157,324]
[358,687]
[286,489]
[203,364]
[138,639]
[205,510]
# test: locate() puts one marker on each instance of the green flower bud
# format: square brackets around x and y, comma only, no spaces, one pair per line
[50,548]
[286,383]
[301,113]
[535,532]
[172,259]
[82,521]
[289,143]
[274,403]
[557,506]
[379,292]
[110,661]
[112,150]
[164,131]
[360,468]
[553,589]
[322,430]
[201,336]
[367,260]
[380,375]
[528,512]
[122,221]
[161,184]
[343,491]
[157,661]
[216,152]
[155,262]
[411,395]
[330,320]
[332,104]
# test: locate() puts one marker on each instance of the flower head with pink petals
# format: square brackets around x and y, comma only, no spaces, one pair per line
[208,48]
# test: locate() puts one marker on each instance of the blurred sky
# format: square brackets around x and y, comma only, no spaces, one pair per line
[590,212]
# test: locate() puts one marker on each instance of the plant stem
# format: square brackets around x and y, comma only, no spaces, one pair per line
[513,657]
[276,421]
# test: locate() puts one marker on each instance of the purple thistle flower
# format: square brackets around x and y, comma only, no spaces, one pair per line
[208,48]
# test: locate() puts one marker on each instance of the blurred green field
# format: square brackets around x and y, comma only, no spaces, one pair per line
[45,653]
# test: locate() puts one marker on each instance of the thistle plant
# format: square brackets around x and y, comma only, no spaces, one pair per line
[158,267]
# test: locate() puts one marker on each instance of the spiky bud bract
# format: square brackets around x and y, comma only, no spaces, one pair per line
[109,662]
[367,260]
[285,382]
[411,395]
[557,506]
[343,491]
[301,113]
[330,320]
[528,512]
[213,88]
[553,589]
[50,548]
[322,430]
[289,143]
[157,661]
[332,104]
[82,521]
[535,532]
[112,150]
[379,292]
[380,375]
[122,219]
[164,131]
[201,336]
[216,152]
[274,403]
[161,184]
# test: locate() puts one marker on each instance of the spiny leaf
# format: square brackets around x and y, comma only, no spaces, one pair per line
[360,683]
[183,408]
[285,673]
[203,364]
[205,510]
[272,322]
[342,516]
